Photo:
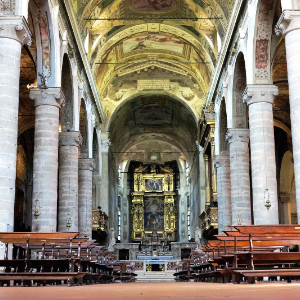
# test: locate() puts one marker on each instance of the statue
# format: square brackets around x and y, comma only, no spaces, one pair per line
[153,168]
[198,236]
[112,239]
[166,169]
[140,169]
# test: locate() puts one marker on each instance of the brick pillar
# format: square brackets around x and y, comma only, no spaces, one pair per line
[238,140]
[289,26]
[260,99]
[224,191]
[45,158]
[68,180]
[14,33]
[85,185]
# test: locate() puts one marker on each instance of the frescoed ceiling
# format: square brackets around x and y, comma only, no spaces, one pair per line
[139,49]
[174,40]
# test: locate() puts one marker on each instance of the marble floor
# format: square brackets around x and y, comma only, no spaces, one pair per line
[157,291]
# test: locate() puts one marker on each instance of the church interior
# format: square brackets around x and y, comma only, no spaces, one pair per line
[150,142]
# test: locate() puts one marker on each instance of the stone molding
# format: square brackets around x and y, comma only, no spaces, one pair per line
[16,28]
[49,96]
[260,93]
[72,138]
[199,147]
[288,21]
[86,164]
[105,144]
[223,160]
[237,135]
[96,179]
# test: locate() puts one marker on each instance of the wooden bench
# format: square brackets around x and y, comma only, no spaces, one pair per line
[37,276]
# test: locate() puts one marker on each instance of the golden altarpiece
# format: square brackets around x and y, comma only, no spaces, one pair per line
[153,208]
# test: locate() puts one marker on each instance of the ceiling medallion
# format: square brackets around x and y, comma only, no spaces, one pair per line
[153,157]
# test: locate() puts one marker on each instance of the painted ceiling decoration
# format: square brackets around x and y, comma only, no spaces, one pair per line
[140,49]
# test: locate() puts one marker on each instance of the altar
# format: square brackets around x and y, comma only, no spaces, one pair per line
[154,258]
[153,207]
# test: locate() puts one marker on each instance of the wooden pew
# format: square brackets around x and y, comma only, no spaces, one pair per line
[49,269]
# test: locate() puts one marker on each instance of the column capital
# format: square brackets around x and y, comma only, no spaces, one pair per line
[222,160]
[49,96]
[16,28]
[237,135]
[70,138]
[105,144]
[86,164]
[255,93]
[288,21]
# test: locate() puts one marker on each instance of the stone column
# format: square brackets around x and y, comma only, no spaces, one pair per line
[224,191]
[85,174]
[202,178]
[207,181]
[289,25]
[260,99]
[96,191]
[238,140]
[45,158]
[14,33]
[104,198]
[68,180]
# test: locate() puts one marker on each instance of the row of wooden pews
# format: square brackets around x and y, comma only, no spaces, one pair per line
[249,253]
[56,258]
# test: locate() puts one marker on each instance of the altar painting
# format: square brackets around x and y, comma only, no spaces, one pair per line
[153,41]
[153,184]
[153,213]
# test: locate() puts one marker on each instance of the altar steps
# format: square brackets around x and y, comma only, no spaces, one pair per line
[155,276]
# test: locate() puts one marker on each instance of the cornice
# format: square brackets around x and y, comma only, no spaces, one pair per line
[84,57]
[225,47]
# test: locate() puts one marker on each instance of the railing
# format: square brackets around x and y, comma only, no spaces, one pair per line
[143,265]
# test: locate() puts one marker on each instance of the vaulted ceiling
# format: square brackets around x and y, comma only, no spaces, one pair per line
[130,42]
[163,49]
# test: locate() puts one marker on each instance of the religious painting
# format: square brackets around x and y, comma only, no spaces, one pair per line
[45,37]
[153,213]
[262,54]
[152,5]
[153,114]
[153,184]
[153,41]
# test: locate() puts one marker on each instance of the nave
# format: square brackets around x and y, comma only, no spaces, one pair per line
[140,138]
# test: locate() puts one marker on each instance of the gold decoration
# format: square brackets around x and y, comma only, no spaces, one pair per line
[153,184]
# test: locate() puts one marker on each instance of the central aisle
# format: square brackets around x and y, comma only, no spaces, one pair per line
[156,291]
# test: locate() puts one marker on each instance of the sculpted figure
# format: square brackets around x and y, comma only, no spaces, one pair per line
[112,239]
[198,235]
